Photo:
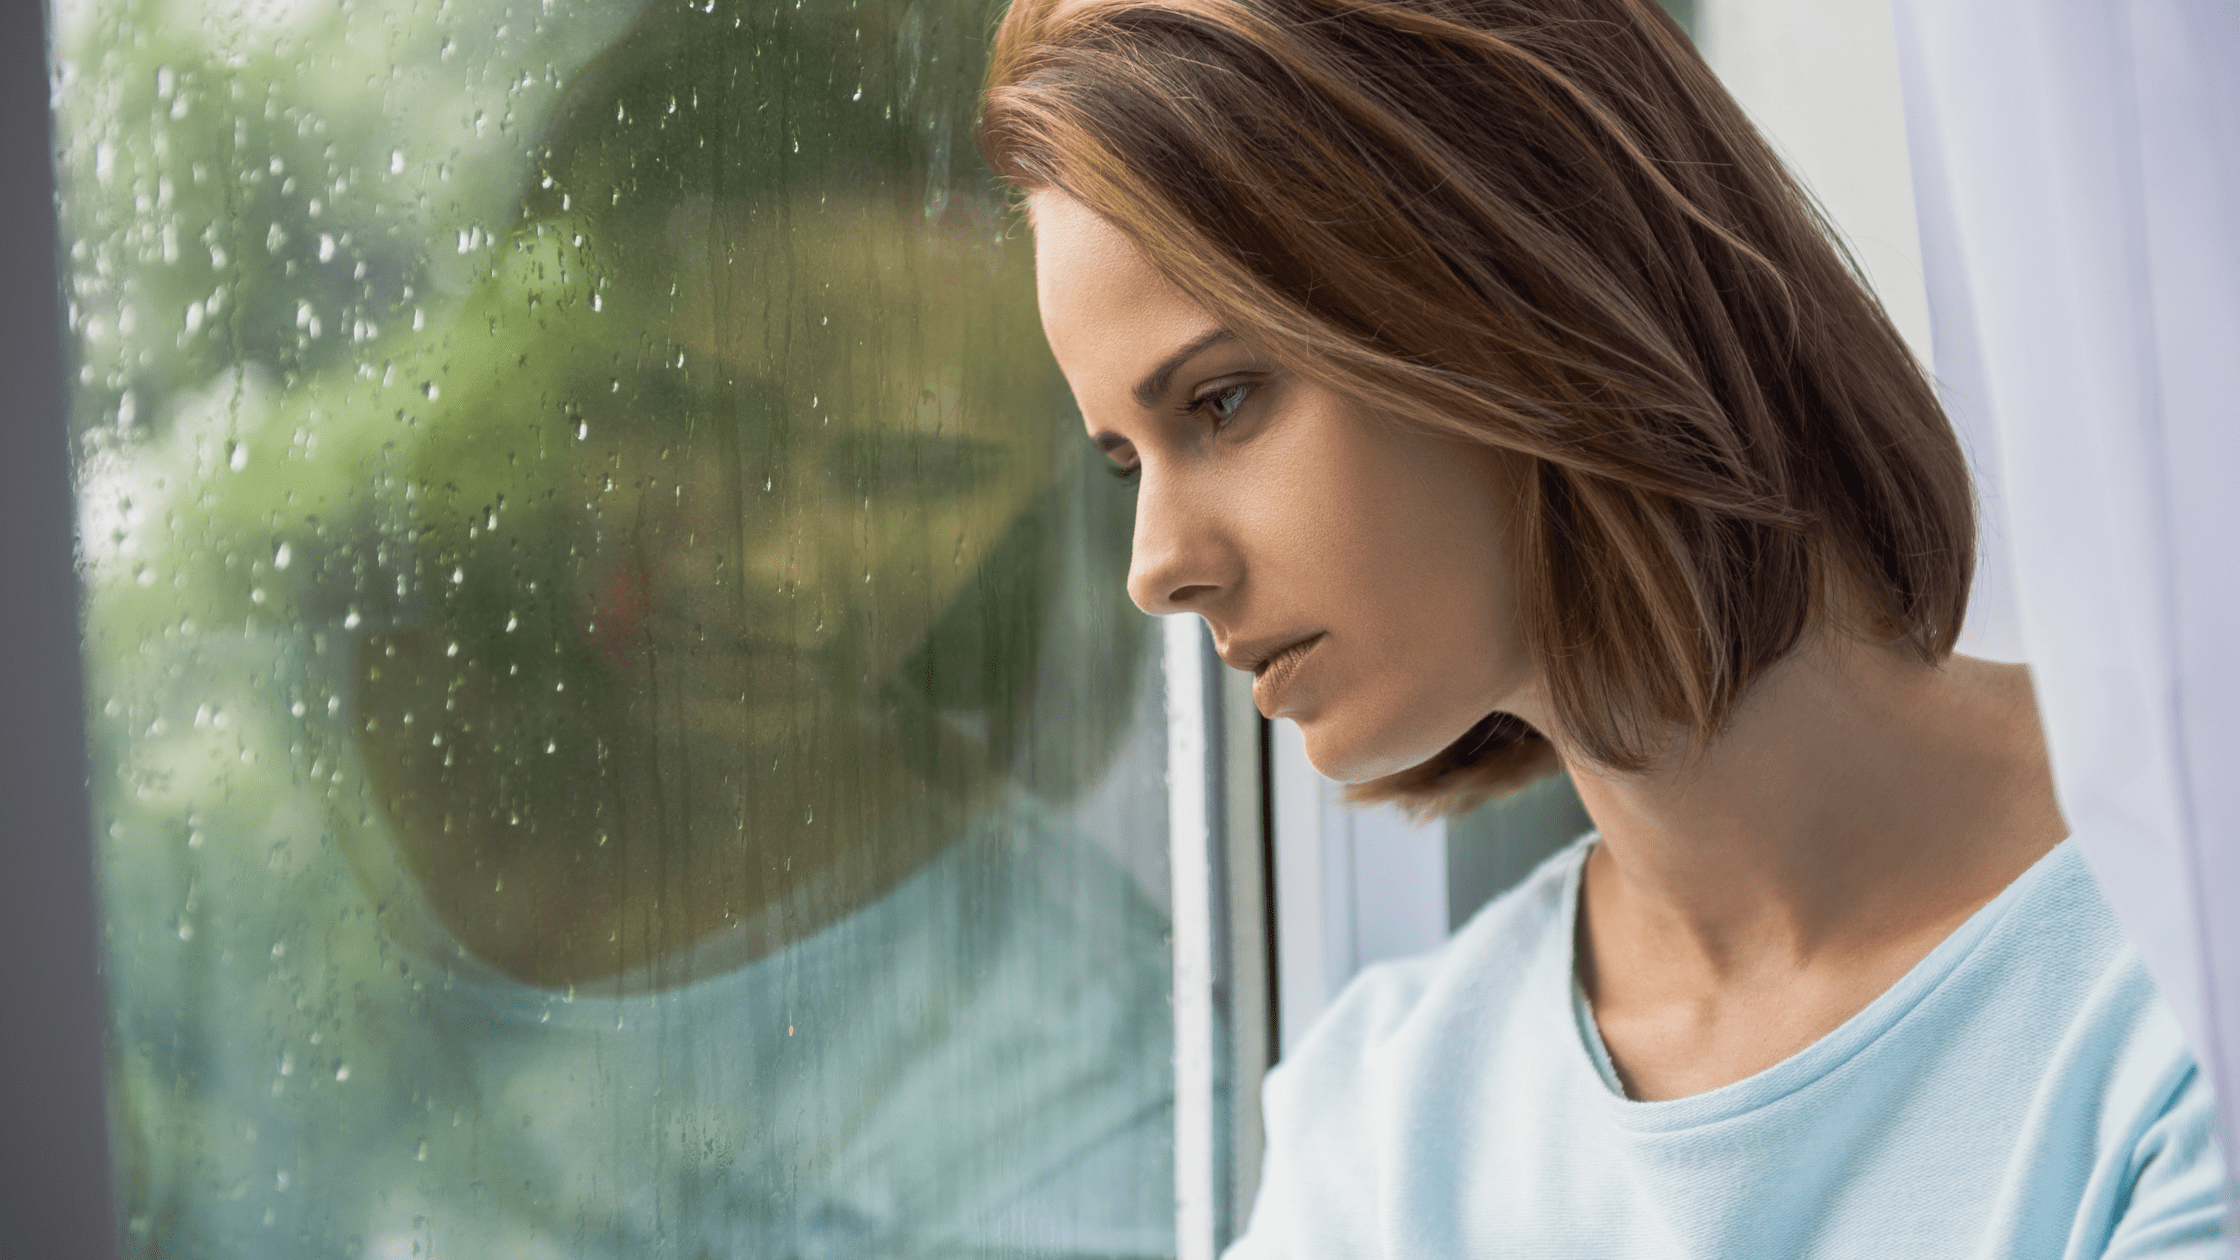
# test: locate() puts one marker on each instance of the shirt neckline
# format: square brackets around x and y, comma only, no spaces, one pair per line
[1813,1062]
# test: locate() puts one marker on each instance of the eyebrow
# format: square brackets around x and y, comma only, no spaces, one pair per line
[1151,388]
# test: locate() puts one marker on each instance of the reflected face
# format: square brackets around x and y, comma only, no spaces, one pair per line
[785,445]
[1360,569]
[693,497]
[811,447]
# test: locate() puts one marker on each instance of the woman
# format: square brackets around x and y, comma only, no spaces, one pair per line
[1504,407]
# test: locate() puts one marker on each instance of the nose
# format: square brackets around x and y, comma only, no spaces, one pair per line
[1182,559]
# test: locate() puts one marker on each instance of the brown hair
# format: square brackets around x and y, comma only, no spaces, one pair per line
[1544,225]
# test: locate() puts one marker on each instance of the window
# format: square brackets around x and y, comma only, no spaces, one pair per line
[617,727]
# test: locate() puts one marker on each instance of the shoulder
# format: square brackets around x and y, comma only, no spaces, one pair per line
[2054,976]
[2114,1133]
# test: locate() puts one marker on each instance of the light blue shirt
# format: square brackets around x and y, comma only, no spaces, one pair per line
[2022,1092]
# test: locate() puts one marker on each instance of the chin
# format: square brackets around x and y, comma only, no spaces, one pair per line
[1353,756]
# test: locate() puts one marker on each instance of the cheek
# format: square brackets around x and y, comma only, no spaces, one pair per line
[922,557]
[1419,587]
[1418,556]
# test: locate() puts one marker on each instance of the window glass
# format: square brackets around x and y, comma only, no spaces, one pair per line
[618,728]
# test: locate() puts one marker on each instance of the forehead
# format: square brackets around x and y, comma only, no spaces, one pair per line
[1108,313]
[875,316]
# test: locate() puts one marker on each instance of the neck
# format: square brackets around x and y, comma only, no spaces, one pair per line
[1858,792]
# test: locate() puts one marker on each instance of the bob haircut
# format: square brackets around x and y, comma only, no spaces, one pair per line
[1542,225]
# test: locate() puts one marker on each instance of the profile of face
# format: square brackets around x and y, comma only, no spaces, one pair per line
[711,483]
[1362,570]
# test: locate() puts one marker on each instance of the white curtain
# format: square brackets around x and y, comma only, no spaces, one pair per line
[2077,168]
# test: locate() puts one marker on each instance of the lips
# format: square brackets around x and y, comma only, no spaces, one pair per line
[634,622]
[1273,677]
[1283,659]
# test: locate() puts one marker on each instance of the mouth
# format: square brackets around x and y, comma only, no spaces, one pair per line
[1283,660]
[1272,677]
[717,664]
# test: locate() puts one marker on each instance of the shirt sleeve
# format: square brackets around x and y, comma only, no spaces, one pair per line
[2176,1209]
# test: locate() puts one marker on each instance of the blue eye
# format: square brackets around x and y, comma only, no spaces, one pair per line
[1131,474]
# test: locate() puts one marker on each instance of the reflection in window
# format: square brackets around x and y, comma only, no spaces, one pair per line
[618,728]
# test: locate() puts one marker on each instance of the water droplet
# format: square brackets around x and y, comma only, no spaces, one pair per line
[342,1073]
[282,555]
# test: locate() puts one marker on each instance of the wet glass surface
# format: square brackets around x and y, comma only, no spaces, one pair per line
[617,726]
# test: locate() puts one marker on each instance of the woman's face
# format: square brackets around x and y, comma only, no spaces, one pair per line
[1361,569]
